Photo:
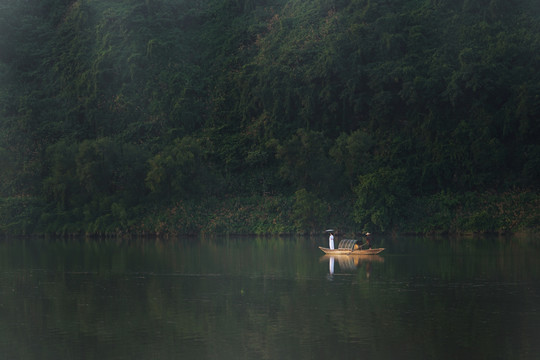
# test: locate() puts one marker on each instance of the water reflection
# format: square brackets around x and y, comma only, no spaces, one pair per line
[331,267]
[351,263]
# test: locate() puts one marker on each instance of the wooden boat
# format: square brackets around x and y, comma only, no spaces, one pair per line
[350,247]
[351,251]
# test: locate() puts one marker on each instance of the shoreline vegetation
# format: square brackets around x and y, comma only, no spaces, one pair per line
[180,117]
[444,214]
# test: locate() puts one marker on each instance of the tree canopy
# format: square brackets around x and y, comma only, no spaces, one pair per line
[113,110]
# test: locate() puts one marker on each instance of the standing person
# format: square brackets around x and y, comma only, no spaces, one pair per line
[331,241]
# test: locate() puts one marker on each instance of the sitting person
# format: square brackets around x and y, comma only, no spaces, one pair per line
[369,241]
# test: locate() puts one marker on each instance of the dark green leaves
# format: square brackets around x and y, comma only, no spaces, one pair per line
[111,107]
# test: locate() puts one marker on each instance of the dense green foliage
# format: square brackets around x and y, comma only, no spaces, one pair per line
[113,114]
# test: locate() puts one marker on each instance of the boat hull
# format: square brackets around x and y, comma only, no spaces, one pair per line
[351,252]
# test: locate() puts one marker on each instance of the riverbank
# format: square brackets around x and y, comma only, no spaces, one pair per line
[443,213]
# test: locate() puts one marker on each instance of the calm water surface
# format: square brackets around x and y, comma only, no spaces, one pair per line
[272,298]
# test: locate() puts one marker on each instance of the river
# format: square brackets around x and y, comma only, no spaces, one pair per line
[269,298]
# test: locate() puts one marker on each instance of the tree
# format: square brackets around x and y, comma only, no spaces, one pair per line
[382,198]
[354,153]
[309,211]
[178,172]
[305,162]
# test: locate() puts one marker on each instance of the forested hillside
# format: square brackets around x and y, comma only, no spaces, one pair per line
[269,116]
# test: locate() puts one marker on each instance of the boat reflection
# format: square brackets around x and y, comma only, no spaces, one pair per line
[351,263]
